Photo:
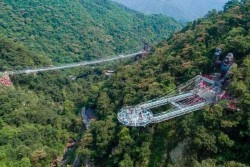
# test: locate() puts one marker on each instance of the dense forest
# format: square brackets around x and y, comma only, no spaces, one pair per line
[213,136]
[70,31]
[40,113]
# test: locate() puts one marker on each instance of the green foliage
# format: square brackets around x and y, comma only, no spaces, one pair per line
[213,163]
[215,135]
[13,55]
[70,31]
[126,162]
[29,123]
[40,114]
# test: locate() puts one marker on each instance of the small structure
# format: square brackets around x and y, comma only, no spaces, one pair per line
[5,80]
[70,144]
[141,55]
[109,72]
[71,77]
[146,47]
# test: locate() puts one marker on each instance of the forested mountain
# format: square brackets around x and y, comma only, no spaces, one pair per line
[214,136]
[40,113]
[187,10]
[68,31]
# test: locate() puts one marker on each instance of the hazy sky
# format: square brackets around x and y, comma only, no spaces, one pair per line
[179,9]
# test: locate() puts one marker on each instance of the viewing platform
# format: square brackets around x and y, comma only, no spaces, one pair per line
[191,96]
[135,116]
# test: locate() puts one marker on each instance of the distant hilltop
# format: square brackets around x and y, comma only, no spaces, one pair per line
[182,10]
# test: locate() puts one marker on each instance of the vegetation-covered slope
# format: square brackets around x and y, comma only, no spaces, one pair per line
[15,55]
[72,30]
[41,112]
[215,136]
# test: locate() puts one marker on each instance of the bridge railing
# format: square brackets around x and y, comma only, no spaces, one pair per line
[175,113]
[166,100]
[35,69]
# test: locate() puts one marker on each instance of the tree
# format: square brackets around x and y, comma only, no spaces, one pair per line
[126,162]
[25,162]
[230,4]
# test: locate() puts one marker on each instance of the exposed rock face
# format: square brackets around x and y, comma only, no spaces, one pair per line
[177,154]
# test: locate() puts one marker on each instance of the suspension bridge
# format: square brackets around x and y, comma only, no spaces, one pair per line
[191,96]
[84,63]
[6,81]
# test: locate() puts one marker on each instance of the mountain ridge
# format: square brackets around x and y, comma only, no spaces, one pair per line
[178,9]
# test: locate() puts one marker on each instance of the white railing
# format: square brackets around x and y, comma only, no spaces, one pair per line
[42,69]
[175,113]
[193,99]
[166,100]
